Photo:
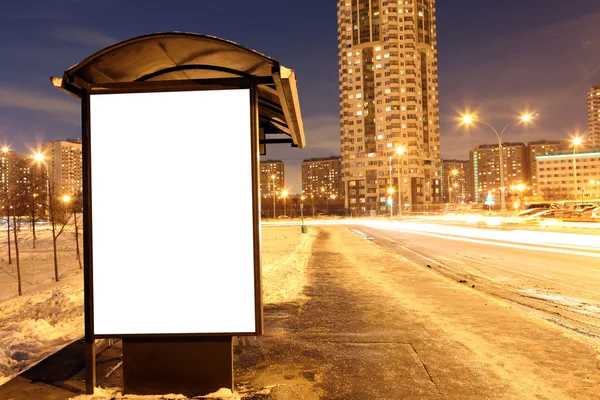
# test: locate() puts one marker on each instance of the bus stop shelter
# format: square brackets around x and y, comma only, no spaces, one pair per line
[174,357]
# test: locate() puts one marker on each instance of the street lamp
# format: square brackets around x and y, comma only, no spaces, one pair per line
[400,150]
[452,173]
[284,194]
[576,142]
[470,119]
[391,201]
[273,187]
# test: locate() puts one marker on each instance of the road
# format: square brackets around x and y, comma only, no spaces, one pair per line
[377,323]
[557,282]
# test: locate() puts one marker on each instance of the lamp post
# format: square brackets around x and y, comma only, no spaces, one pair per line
[312,197]
[576,142]
[273,187]
[400,151]
[469,119]
[452,173]
[284,194]
[391,201]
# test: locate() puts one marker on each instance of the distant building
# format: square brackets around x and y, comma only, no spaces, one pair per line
[322,185]
[594,115]
[272,182]
[22,185]
[485,165]
[321,178]
[543,148]
[569,176]
[64,161]
[461,183]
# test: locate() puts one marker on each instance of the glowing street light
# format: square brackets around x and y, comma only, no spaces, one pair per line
[38,157]
[452,173]
[273,187]
[5,149]
[390,200]
[400,150]
[576,142]
[469,119]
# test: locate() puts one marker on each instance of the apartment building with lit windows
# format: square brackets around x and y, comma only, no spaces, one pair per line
[485,166]
[594,115]
[272,178]
[569,176]
[22,183]
[543,148]
[388,80]
[457,187]
[64,162]
[321,178]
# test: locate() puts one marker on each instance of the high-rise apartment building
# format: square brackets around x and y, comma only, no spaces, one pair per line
[272,182]
[64,161]
[457,182]
[388,79]
[594,115]
[485,165]
[321,178]
[543,148]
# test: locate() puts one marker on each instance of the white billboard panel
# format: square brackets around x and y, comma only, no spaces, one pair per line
[172,213]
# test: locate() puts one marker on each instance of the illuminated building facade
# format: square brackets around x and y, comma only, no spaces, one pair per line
[594,115]
[321,178]
[64,161]
[485,166]
[388,80]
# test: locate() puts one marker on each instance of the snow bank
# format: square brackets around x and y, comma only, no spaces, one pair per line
[36,325]
[285,254]
[115,394]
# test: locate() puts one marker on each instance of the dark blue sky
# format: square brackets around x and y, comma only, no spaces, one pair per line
[496,57]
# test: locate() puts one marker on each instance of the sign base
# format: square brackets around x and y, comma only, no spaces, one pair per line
[191,366]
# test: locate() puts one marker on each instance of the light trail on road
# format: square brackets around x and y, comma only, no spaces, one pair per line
[580,244]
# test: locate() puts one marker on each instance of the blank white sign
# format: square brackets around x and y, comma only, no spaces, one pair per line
[173,248]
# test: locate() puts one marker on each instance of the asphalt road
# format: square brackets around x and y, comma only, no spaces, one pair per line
[557,282]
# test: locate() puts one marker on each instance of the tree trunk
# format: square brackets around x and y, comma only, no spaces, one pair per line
[54,247]
[8,231]
[77,240]
[17,251]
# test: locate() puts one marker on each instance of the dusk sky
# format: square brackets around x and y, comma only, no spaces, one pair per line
[496,57]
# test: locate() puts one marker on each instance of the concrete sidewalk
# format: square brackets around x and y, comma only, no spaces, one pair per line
[376,326]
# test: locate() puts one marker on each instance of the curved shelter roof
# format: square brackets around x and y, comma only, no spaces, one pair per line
[177,59]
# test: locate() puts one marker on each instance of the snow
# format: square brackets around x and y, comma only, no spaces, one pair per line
[49,315]
[285,254]
[112,393]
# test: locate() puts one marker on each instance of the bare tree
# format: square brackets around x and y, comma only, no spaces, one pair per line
[16,229]
[76,202]
[57,212]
